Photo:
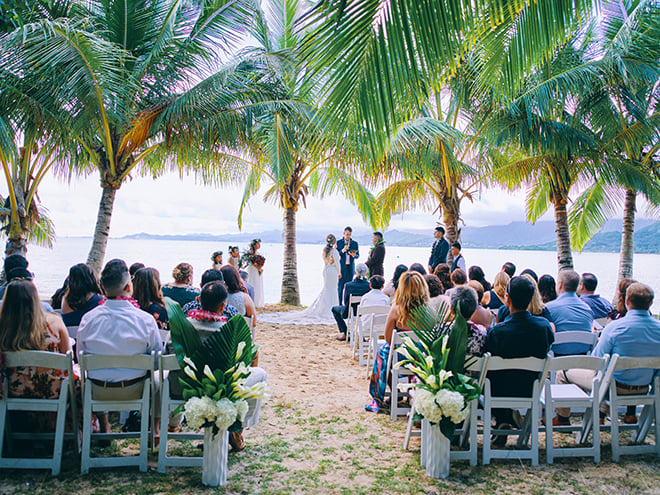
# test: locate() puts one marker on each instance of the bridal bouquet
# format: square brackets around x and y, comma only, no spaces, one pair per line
[438,361]
[254,259]
[215,372]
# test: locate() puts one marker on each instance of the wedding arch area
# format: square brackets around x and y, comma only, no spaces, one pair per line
[314,436]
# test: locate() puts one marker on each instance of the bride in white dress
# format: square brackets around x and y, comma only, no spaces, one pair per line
[320,311]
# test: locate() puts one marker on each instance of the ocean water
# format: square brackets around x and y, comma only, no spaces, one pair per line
[51,266]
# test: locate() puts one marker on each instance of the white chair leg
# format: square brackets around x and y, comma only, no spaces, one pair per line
[487,427]
[614,414]
[87,430]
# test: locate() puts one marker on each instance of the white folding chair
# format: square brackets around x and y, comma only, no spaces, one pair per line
[57,405]
[576,337]
[91,362]
[165,337]
[650,411]
[250,321]
[569,395]
[363,331]
[169,363]
[399,375]
[73,331]
[600,323]
[531,404]
[350,322]
[467,433]
[376,338]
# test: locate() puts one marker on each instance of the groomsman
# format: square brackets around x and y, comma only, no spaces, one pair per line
[348,253]
[376,255]
[439,250]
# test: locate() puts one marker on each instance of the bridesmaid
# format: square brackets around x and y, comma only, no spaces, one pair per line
[255,269]
[234,257]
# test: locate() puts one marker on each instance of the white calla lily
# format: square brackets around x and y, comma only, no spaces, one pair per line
[189,362]
[239,350]
[188,371]
[208,373]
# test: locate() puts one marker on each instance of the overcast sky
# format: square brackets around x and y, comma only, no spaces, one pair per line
[169,205]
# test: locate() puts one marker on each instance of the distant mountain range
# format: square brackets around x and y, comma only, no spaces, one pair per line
[516,235]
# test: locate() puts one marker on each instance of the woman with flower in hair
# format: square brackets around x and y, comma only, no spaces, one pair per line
[234,257]
[255,268]
[216,260]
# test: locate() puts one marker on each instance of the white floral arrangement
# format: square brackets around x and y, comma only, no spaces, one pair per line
[443,392]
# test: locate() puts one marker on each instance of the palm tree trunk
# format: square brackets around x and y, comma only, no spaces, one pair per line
[564,255]
[451,214]
[290,290]
[102,231]
[627,242]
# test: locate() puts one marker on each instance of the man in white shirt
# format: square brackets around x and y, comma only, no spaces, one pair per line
[375,297]
[117,327]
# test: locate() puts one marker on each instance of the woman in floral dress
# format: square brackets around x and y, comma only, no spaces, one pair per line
[25,327]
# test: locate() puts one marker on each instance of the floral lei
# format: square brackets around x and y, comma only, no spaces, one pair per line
[129,299]
[378,243]
[203,315]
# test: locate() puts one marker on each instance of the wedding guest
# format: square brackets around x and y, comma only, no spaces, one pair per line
[118,327]
[11,262]
[148,294]
[377,255]
[464,298]
[181,290]
[348,252]
[600,306]
[135,267]
[531,273]
[237,293]
[375,297]
[357,287]
[417,267]
[25,327]
[494,298]
[637,334]
[56,298]
[210,275]
[620,309]
[443,272]
[392,285]
[439,250]
[458,277]
[547,288]
[569,313]
[248,285]
[216,260]
[411,294]
[476,273]
[459,261]
[255,272]
[481,315]
[520,335]
[234,257]
[509,268]
[436,291]
[208,320]
[536,306]
[83,294]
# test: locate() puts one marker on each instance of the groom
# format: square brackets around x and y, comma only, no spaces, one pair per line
[348,253]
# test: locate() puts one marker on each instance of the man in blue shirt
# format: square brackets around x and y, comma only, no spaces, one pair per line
[568,313]
[635,335]
[598,304]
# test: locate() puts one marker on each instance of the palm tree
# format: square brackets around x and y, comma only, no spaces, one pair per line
[622,110]
[31,138]
[142,87]
[381,60]
[437,163]
[289,147]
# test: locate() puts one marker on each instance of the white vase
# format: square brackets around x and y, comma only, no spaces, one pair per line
[214,464]
[435,451]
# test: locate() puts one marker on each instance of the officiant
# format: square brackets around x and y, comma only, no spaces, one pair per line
[348,253]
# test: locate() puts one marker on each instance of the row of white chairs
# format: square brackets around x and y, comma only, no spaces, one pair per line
[145,404]
[550,396]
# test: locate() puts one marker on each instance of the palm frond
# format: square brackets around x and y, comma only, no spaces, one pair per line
[590,211]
